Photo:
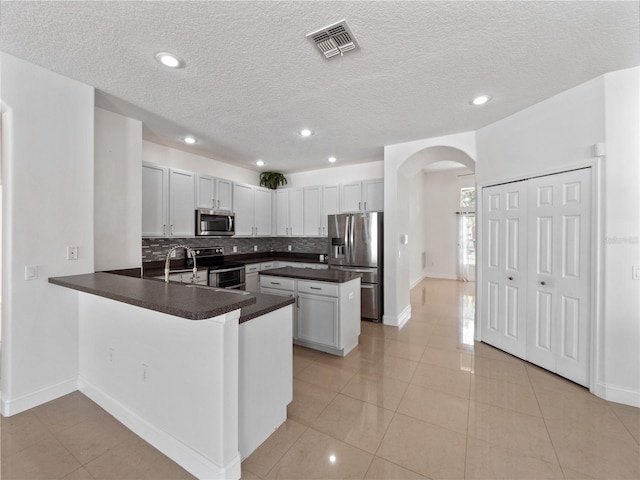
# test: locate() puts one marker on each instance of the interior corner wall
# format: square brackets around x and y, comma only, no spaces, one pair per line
[174,158]
[619,375]
[48,206]
[118,187]
[337,174]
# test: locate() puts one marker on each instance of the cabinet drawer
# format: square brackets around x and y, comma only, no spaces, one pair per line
[277,282]
[268,266]
[318,288]
[252,267]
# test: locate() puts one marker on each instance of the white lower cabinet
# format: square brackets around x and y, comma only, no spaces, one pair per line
[327,314]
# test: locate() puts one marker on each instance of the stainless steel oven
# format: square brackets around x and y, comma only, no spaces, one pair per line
[227,277]
[221,274]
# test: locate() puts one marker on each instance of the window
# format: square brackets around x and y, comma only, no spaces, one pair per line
[468,197]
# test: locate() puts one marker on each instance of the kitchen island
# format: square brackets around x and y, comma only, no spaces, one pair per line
[327,313]
[201,374]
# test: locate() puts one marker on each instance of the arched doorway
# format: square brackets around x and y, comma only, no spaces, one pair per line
[402,163]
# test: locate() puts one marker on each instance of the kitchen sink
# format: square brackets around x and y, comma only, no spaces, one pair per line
[216,289]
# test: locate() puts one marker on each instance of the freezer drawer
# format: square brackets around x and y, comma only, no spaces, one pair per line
[370,301]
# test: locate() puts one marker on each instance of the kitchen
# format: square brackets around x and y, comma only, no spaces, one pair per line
[104,221]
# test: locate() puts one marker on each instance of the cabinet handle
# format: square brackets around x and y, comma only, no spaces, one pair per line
[213,203]
[298,302]
[365,206]
[274,283]
[322,230]
[218,204]
[164,229]
[359,205]
[172,229]
[315,288]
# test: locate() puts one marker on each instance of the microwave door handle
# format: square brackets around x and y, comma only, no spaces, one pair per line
[230,223]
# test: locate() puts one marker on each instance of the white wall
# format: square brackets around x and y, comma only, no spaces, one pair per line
[337,174]
[118,191]
[558,134]
[441,201]
[48,205]
[171,157]
[417,208]
[619,378]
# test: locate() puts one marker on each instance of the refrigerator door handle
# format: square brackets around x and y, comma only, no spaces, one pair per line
[351,240]
[346,238]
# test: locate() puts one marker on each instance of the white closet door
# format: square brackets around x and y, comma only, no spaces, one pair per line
[505,261]
[559,273]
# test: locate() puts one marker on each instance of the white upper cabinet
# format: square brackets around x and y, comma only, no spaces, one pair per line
[181,203]
[168,202]
[289,212]
[252,207]
[155,200]
[319,202]
[214,193]
[365,196]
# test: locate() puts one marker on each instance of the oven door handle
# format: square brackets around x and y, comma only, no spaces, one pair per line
[212,270]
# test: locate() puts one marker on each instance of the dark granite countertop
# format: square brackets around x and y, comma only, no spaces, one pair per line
[334,276]
[264,304]
[193,303]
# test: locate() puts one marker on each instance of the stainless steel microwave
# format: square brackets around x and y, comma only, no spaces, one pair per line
[215,223]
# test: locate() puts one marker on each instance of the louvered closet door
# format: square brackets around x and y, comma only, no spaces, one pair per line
[504,260]
[559,273]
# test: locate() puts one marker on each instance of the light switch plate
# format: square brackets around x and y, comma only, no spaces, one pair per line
[30,272]
[635,272]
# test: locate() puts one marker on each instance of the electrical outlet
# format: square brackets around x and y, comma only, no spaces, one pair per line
[235,249]
[635,272]
[255,248]
[173,254]
[72,253]
[289,247]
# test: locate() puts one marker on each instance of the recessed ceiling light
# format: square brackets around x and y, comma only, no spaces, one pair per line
[305,132]
[480,99]
[332,159]
[169,60]
[190,140]
[260,163]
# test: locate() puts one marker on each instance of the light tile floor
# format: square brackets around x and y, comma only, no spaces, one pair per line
[420,402]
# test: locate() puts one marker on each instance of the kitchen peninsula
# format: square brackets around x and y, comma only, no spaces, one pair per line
[203,375]
[327,313]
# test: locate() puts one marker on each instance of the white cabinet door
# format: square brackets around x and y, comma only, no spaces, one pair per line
[318,319]
[224,194]
[181,203]
[296,211]
[505,266]
[243,199]
[312,211]
[559,273]
[351,194]
[155,200]
[205,191]
[262,209]
[330,206]
[282,213]
[252,282]
[373,195]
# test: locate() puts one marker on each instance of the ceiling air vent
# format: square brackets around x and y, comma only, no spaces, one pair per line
[334,39]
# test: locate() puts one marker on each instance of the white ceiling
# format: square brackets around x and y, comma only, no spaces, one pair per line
[252,79]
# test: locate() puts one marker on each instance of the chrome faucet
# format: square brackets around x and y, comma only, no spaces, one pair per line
[190,253]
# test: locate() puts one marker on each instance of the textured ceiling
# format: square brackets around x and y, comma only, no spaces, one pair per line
[252,79]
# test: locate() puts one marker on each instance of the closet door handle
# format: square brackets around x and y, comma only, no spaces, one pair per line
[510,278]
[542,283]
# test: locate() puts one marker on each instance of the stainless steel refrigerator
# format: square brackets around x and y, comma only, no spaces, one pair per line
[355,244]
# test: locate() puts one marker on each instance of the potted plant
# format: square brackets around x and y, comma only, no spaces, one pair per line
[272,180]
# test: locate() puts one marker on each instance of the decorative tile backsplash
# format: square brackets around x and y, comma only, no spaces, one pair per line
[154,249]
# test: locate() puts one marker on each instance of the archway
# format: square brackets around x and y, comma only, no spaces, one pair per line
[402,162]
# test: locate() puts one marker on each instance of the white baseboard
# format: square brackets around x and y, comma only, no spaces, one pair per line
[616,393]
[189,459]
[415,283]
[398,321]
[13,406]
[441,276]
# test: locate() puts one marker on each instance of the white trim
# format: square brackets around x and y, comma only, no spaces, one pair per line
[616,393]
[590,162]
[415,283]
[30,400]
[400,320]
[189,459]
[442,276]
